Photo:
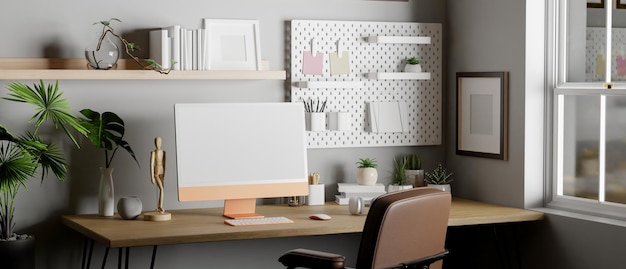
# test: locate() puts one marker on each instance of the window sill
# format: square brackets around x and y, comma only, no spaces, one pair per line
[580,216]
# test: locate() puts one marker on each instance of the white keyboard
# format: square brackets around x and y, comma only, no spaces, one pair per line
[257,221]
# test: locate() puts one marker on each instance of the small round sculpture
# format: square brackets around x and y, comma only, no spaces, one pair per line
[129,207]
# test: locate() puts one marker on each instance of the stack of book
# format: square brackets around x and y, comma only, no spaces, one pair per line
[367,192]
[186,47]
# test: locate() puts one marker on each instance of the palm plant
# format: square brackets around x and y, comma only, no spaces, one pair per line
[21,157]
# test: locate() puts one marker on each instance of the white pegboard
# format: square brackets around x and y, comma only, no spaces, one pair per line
[424,97]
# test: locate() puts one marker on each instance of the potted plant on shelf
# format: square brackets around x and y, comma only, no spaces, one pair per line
[23,156]
[366,173]
[106,131]
[400,180]
[439,178]
[413,170]
[105,54]
[412,65]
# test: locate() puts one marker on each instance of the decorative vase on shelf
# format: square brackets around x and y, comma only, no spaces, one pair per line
[106,203]
[102,55]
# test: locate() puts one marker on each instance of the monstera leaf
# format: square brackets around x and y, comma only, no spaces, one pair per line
[106,131]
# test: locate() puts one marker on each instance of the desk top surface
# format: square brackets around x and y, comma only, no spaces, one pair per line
[207,224]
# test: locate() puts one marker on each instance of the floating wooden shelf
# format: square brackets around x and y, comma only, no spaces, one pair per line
[76,69]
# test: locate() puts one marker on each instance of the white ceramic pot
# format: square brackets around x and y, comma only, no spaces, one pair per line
[445,187]
[413,68]
[366,176]
[129,207]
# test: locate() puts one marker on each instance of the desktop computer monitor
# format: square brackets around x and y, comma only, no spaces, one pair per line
[238,152]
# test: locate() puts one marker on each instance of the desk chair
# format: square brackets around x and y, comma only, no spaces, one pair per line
[404,229]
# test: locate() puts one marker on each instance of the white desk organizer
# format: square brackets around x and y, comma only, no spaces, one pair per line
[377,51]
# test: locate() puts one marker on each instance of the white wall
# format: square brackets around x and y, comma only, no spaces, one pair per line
[41,28]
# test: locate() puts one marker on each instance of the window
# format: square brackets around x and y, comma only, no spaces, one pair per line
[587,104]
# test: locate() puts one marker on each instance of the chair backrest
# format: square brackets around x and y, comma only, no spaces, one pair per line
[403,226]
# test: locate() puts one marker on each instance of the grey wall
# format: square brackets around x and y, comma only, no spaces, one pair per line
[489,35]
[41,28]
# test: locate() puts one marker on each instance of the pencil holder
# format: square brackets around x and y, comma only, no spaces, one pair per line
[316,121]
[316,194]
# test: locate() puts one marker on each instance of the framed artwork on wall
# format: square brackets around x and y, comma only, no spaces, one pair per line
[232,44]
[620,4]
[596,3]
[482,114]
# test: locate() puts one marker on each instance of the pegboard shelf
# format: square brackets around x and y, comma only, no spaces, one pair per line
[399,75]
[421,93]
[329,84]
[399,39]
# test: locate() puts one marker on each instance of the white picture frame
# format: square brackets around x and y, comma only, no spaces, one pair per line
[232,44]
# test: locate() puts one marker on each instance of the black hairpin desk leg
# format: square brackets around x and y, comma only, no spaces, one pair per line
[154,250]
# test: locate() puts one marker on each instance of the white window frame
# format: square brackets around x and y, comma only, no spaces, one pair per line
[558,87]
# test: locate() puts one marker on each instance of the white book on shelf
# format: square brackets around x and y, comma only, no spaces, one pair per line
[173,32]
[354,187]
[188,51]
[194,49]
[160,47]
[205,49]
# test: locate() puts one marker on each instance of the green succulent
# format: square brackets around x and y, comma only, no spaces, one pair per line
[367,163]
[439,176]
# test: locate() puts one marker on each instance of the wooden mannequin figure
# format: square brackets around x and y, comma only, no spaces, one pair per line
[157,175]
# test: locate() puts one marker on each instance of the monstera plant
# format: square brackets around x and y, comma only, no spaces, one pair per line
[106,131]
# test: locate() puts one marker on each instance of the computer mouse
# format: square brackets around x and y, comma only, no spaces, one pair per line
[320,217]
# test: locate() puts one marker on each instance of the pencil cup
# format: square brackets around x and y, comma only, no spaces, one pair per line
[316,194]
[339,121]
[316,121]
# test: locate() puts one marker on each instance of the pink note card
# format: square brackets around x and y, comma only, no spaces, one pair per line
[621,66]
[312,65]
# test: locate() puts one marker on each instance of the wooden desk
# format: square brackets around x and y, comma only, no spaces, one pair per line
[206,225]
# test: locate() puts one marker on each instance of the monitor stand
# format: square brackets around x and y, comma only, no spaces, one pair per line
[240,208]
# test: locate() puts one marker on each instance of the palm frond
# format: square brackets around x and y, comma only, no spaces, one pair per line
[16,166]
[49,106]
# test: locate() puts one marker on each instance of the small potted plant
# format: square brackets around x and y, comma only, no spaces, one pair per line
[412,65]
[413,170]
[106,131]
[366,173]
[400,180]
[439,178]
